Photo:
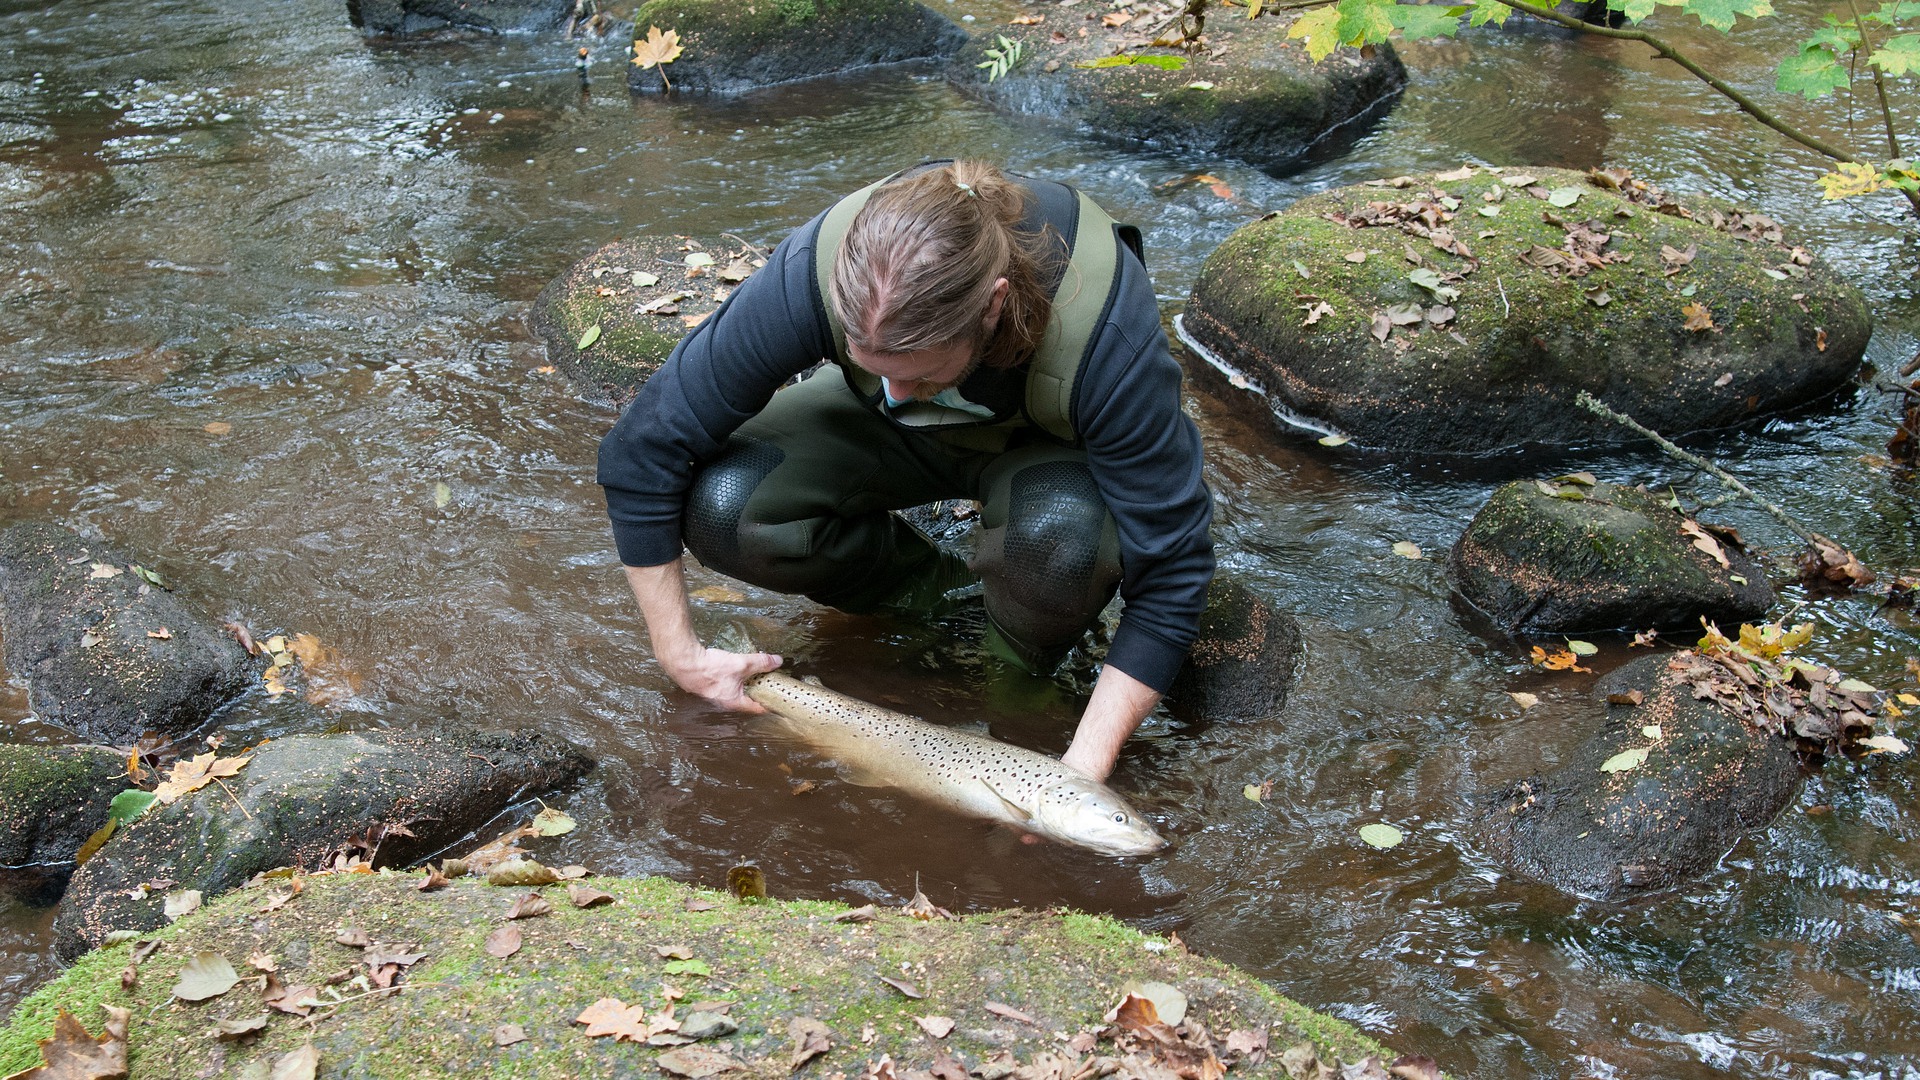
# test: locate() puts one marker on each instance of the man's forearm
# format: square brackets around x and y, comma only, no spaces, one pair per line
[714,674]
[1118,705]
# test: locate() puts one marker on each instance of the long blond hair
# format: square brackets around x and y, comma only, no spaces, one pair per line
[917,266]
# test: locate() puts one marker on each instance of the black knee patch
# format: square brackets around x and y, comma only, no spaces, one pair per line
[1054,522]
[718,498]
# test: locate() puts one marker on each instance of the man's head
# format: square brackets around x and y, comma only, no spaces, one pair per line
[934,278]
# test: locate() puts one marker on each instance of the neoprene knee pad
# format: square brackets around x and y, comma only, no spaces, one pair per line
[1055,562]
[717,500]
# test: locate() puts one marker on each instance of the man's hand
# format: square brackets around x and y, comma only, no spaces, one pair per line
[714,674]
[1118,705]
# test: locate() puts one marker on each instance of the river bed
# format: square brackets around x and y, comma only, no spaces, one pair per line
[265,288]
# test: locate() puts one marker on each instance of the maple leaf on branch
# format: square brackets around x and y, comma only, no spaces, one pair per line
[659,47]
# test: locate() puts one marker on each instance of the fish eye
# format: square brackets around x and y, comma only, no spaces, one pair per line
[1119,817]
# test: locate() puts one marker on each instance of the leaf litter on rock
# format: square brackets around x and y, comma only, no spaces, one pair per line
[207,975]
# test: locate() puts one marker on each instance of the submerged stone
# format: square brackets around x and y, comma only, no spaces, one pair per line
[1243,664]
[733,47]
[52,798]
[1466,311]
[1558,557]
[299,800]
[1249,94]
[106,652]
[1706,781]
[609,321]
[421,16]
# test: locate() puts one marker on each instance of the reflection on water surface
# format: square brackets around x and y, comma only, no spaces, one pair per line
[331,245]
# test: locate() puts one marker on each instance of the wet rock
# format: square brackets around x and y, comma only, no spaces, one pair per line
[1262,100]
[52,798]
[104,651]
[1244,662]
[1612,558]
[403,17]
[733,47]
[299,800]
[1685,313]
[1707,780]
[644,298]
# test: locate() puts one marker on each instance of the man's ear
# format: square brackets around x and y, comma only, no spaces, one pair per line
[990,321]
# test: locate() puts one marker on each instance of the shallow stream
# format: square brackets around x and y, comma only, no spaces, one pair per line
[327,248]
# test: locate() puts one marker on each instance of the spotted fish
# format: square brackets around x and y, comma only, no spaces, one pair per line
[968,773]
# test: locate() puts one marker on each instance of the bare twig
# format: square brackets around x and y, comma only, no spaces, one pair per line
[1600,408]
[236,799]
[744,244]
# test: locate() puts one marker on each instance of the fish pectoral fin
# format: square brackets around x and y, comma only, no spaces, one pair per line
[1018,810]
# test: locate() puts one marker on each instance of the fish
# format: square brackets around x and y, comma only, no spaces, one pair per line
[967,773]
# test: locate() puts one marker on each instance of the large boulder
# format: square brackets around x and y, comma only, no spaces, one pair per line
[105,650]
[1539,284]
[630,303]
[403,17]
[299,800]
[1707,779]
[730,47]
[52,798]
[1240,669]
[1249,94]
[1556,557]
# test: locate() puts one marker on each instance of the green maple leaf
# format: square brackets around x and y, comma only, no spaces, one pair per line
[1416,21]
[1719,13]
[1365,22]
[1836,35]
[1899,56]
[1813,72]
[1489,11]
[1321,29]
[1895,11]
[1634,10]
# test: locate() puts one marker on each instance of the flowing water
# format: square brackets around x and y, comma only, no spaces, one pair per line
[327,248]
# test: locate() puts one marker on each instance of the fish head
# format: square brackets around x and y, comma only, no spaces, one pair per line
[1089,814]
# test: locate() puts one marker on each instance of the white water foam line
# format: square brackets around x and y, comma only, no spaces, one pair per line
[1240,381]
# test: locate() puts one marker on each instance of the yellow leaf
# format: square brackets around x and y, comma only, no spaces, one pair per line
[1698,318]
[1524,699]
[1850,178]
[190,776]
[659,47]
[1319,28]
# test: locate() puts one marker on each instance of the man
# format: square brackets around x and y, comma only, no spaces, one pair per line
[987,337]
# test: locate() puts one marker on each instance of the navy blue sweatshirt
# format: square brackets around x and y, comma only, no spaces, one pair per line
[1142,450]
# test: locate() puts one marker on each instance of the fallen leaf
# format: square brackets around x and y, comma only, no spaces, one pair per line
[922,908]
[229,1030]
[551,822]
[1412,1067]
[1116,18]
[292,1000]
[262,961]
[207,975]
[302,1064]
[1557,660]
[1355,256]
[1464,172]
[508,1034]
[687,967]
[747,883]
[185,902]
[192,775]
[1652,731]
[718,594]
[1626,759]
[696,259]
[1883,744]
[697,903]
[217,427]
[103,570]
[903,986]
[1698,318]
[1407,549]
[1630,697]
[1027,20]
[1582,648]
[1135,1012]
[162,634]
[810,1039]
[937,1026]
[503,942]
[72,1054]
[658,47]
[521,872]
[586,896]
[1820,339]
[1525,700]
[1381,835]
[863,914]
[695,1062]
[434,880]
[1333,440]
[531,905]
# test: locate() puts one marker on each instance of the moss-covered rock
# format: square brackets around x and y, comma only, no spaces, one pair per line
[771,962]
[420,16]
[737,45]
[299,800]
[52,798]
[1262,98]
[1707,780]
[1552,557]
[1683,313]
[104,650]
[1243,664]
[643,296]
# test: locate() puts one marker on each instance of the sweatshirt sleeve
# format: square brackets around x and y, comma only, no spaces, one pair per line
[770,329]
[1145,455]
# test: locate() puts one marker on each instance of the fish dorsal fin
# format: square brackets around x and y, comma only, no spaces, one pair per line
[1018,810]
[813,680]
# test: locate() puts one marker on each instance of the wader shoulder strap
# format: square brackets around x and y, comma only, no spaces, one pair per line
[1079,309]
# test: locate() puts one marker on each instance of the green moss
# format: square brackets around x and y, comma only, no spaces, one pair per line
[774,961]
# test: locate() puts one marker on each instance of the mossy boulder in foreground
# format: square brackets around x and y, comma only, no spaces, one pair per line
[630,303]
[770,963]
[420,16]
[1539,283]
[104,650]
[1249,94]
[297,801]
[737,45]
[1707,779]
[1243,664]
[1554,557]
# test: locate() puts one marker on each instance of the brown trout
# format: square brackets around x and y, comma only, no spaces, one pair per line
[964,772]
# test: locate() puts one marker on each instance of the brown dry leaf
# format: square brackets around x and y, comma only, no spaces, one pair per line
[937,1026]
[1116,18]
[488,856]
[1411,1067]
[1698,318]
[503,942]
[1134,1013]
[1215,184]
[353,938]
[292,1000]
[1820,339]
[810,1039]
[521,872]
[1250,1044]
[586,896]
[508,1034]
[695,903]
[903,986]
[610,1016]
[1011,1013]
[261,961]
[217,427]
[1355,256]
[1705,542]
[434,880]
[1829,565]
[696,1062]
[162,634]
[72,1054]
[863,914]
[207,975]
[1675,261]
[302,1064]
[192,775]
[1631,697]
[1027,20]
[530,906]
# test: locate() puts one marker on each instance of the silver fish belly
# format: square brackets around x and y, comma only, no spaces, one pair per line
[967,773]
